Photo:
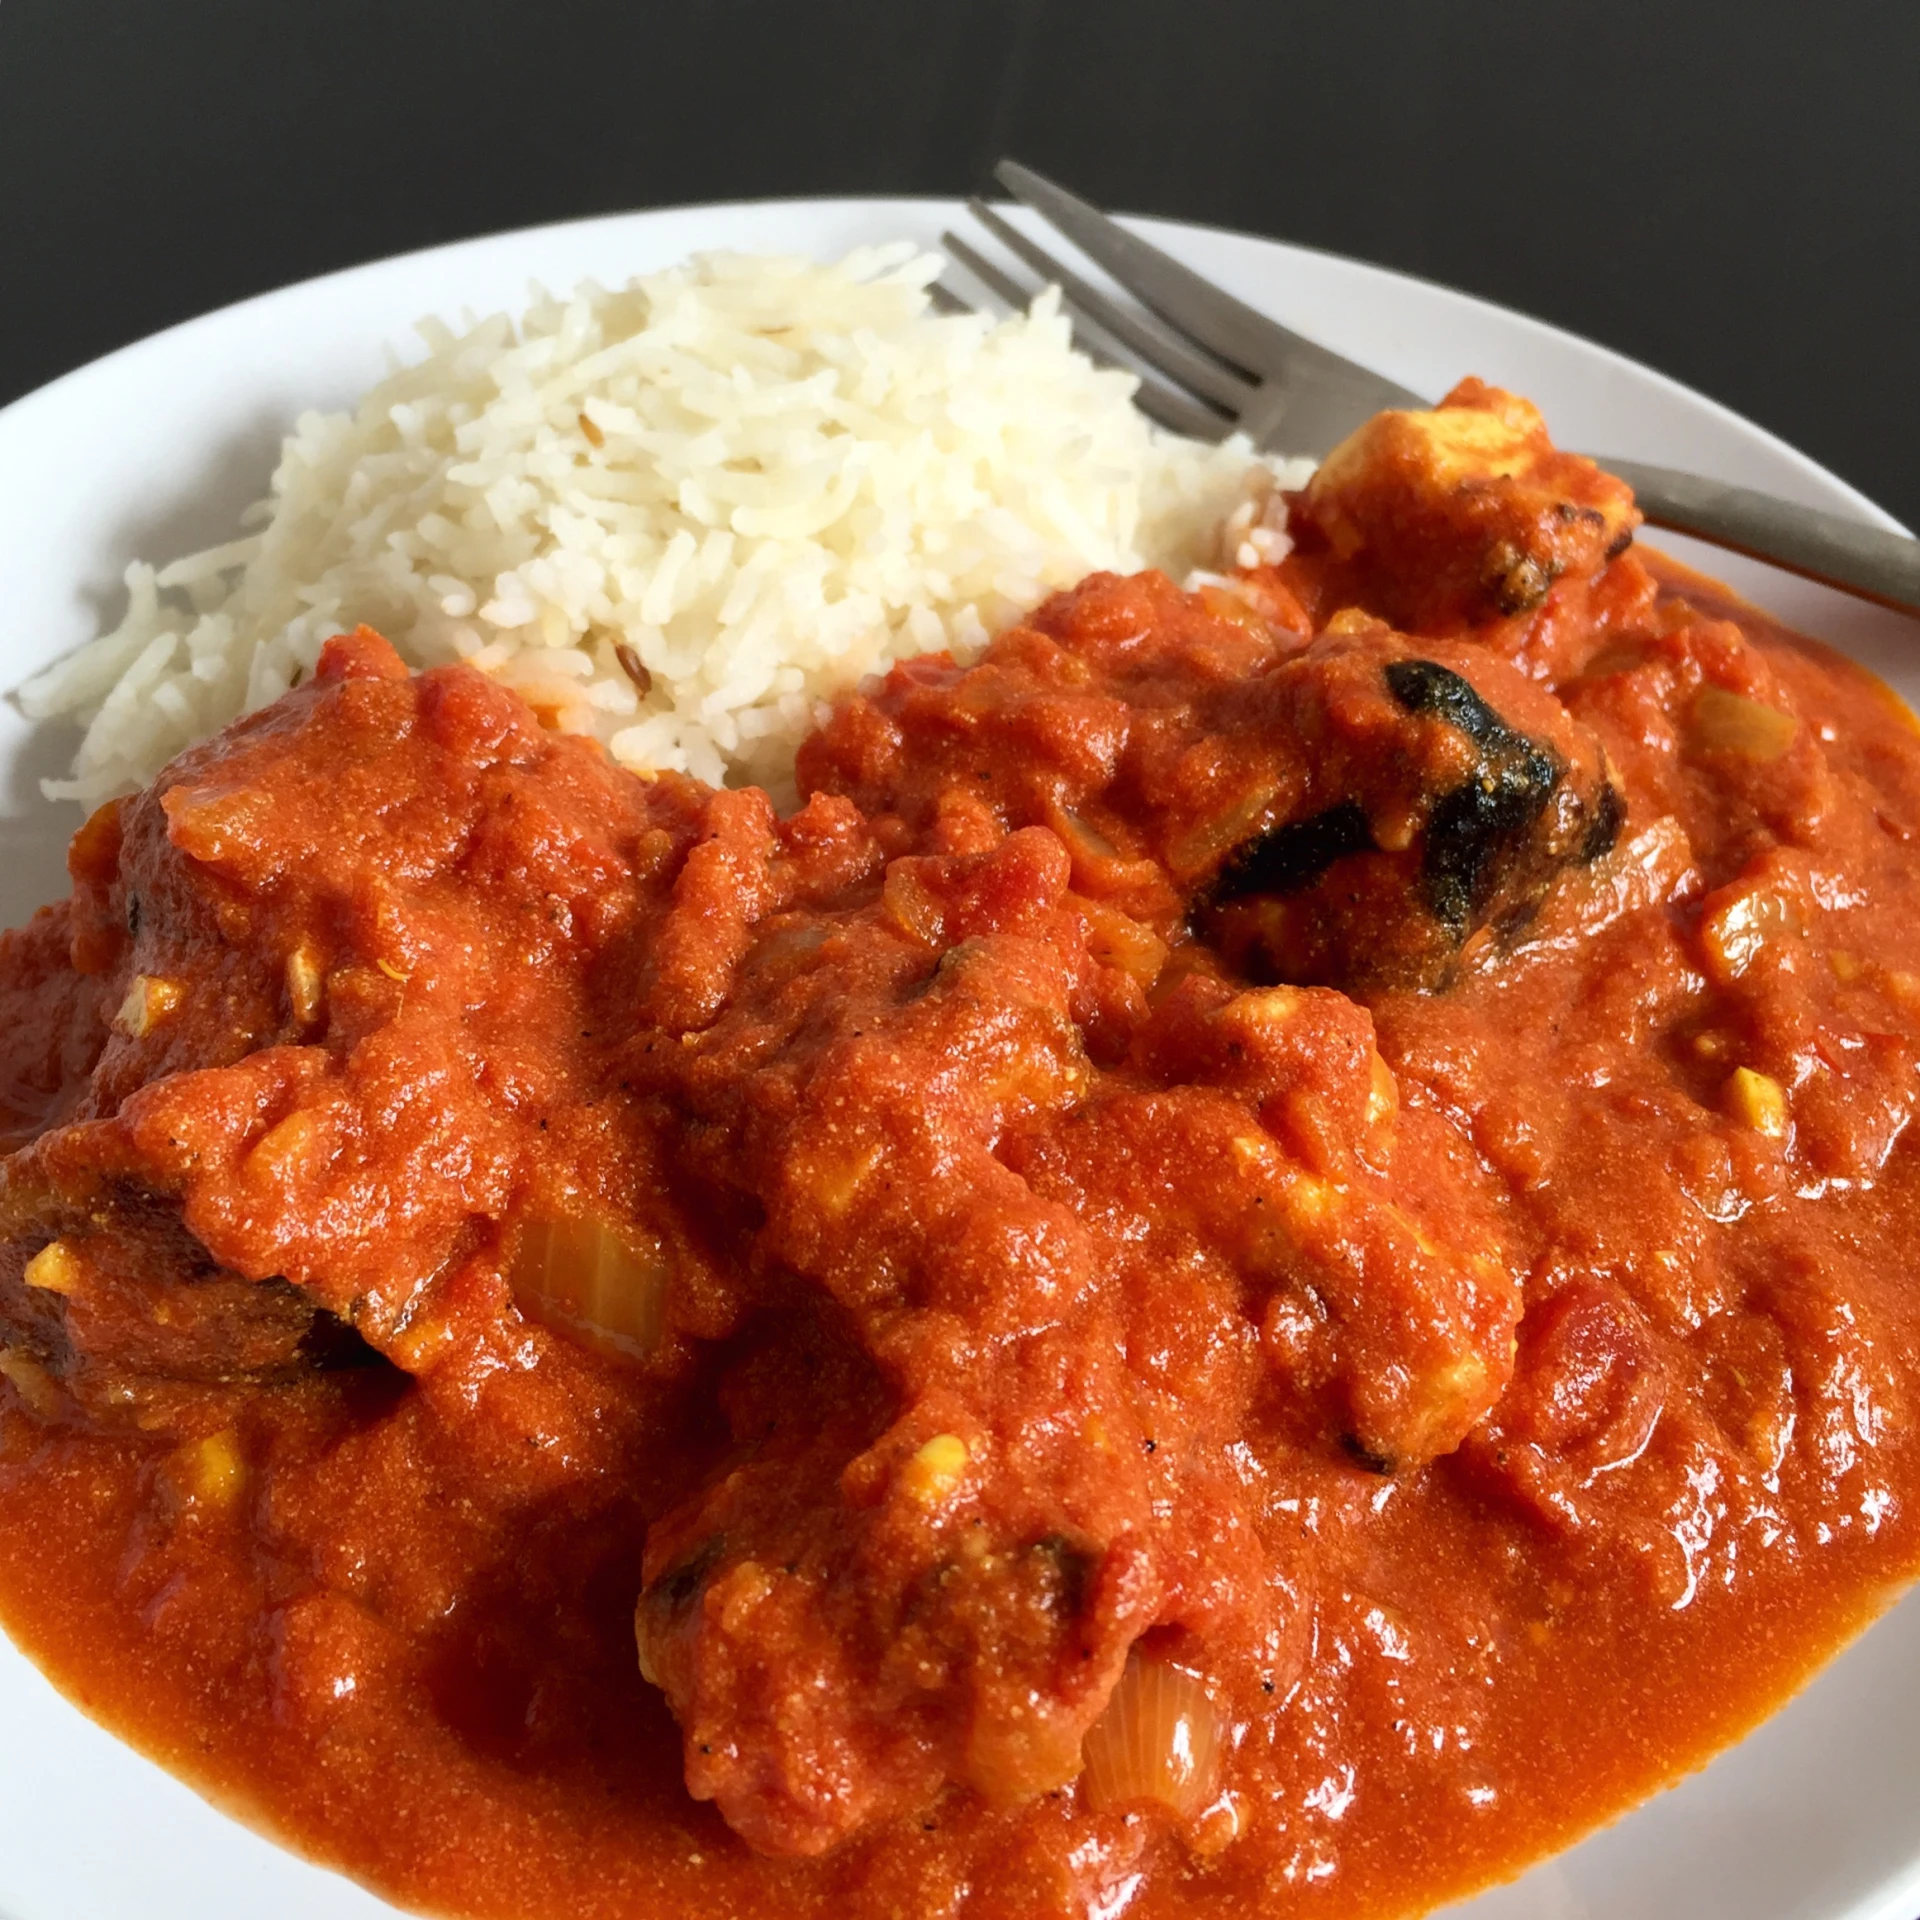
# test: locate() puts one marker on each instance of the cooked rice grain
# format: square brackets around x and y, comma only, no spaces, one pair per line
[764,478]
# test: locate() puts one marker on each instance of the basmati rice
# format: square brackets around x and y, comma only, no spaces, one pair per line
[680,515]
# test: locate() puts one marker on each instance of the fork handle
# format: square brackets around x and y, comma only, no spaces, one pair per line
[1838,552]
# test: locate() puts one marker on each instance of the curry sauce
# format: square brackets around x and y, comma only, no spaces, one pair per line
[1257,1263]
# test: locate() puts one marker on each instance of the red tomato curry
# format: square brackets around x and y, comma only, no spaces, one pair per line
[1260,1264]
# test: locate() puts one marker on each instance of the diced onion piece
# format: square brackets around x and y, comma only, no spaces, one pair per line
[1083,837]
[935,1470]
[1735,932]
[53,1269]
[213,1470]
[1212,840]
[305,987]
[1158,1739]
[31,1381]
[1383,1092]
[149,1000]
[1723,722]
[1224,603]
[290,1147]
[1117,940]
[605,1285]
[1758,1101]
[905,899]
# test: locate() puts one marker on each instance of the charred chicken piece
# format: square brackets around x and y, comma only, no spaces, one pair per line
[103,1289]
[934,1587]
[1430,818]
[1465,513]
[1344,809]
[849,1588]
[122,1295]
[294,1106]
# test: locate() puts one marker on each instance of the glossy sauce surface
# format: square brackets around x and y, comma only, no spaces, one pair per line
[1339,1183]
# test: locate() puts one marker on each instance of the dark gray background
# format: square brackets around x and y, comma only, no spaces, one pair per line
[1729,191]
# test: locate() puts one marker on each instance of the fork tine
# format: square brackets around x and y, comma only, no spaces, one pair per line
[1219,322]
[1176,411]
[991,277]
[1166,406]
[1165,352]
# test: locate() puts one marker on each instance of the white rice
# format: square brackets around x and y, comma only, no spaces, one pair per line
[764,477]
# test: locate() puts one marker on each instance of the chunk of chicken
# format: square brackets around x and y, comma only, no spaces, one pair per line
[124,1294]
[1345,810]
[1427,815]
[1271,1136]
[305,1067]
[931,1585]
[1466,512]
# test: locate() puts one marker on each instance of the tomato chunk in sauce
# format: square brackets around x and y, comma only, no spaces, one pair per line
[1257,1264]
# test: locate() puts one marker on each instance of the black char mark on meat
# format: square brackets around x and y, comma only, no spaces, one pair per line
[1294,855]
[1485,816]
[1290,904]
[128,1295]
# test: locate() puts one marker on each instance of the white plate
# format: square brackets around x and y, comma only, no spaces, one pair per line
[155,449]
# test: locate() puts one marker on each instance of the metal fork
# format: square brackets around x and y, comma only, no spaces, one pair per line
[1210,365]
